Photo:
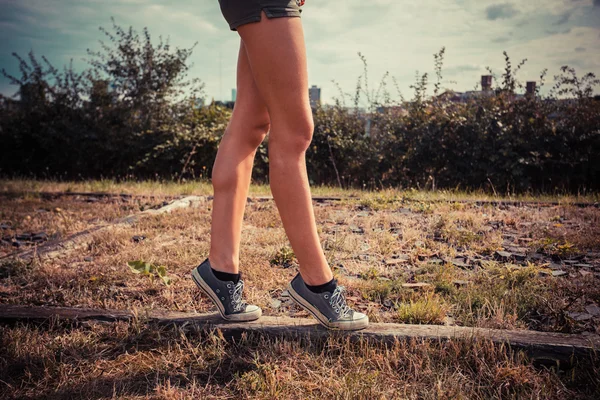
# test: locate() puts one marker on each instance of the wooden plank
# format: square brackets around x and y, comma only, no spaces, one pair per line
[479,202]
[81,239]
[538,345]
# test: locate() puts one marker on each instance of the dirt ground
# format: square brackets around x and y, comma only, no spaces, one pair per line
[403,257]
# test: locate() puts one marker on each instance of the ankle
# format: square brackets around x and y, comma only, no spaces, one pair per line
[223,264]
[325,287]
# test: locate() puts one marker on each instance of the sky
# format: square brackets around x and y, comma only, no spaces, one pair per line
[395,36]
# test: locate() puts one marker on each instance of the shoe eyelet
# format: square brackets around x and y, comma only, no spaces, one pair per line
[223,298]
[218,291]
[229,285]
[326,296]
[231,292]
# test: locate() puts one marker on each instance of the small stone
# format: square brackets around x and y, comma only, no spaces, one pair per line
[460,283]
[362,214]
[92,200]
[39,237]
[285,294]
[275,303]
[519,250]
[435,260]
[520,256]
[459,262]
[356,229]
[577,316]
[417,285]
[559,273]
[395,261]
[536,256]
[593,309]
[88,259]
[24,236]
[138,238]
[502,255]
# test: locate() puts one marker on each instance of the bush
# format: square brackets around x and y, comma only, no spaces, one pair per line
[134,112]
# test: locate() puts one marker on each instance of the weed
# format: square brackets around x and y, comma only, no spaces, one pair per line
[284,257]
[430,309]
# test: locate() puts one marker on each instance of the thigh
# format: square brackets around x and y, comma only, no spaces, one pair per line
[277,56]
[250,110]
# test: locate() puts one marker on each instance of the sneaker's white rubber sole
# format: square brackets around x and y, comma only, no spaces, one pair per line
[240,317]
[323,320]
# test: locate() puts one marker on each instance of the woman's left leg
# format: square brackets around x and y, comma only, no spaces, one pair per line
[232,169]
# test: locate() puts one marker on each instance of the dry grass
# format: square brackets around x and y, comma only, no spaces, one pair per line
[137,361]
[375,246]
[376,243]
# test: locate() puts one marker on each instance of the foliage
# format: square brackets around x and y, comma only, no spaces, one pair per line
[150,270]
[135,113]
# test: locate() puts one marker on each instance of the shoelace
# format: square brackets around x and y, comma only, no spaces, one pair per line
[338,302]
[236,297]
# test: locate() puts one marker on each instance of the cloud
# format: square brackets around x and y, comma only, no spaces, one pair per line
[557,31]
[564,18]
[399,37]
[501,11]
[459,69]
[580,49]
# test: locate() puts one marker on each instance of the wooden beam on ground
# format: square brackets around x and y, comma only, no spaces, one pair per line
[538,345]
[124,196]
[78,240]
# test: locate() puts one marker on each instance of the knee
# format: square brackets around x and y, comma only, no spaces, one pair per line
[258,131]
[292,139]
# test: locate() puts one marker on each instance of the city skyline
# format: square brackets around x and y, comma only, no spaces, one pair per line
[393,36]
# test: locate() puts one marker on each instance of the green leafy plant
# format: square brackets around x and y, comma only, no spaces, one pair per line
[151,270]
[284,257]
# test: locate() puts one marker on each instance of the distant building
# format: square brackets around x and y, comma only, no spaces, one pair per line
[233,94]
[531,88]
[486,91]
[9,104]
[314,94]
[486,83]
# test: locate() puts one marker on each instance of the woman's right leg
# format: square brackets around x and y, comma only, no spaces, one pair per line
[277,56]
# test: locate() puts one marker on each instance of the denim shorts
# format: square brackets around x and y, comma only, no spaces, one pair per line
[240,12]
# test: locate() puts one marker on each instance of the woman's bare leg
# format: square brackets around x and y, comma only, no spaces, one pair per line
[277,56]
[232,169]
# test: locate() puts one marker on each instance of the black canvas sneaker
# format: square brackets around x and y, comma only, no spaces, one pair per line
[330,309]
[226,295]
